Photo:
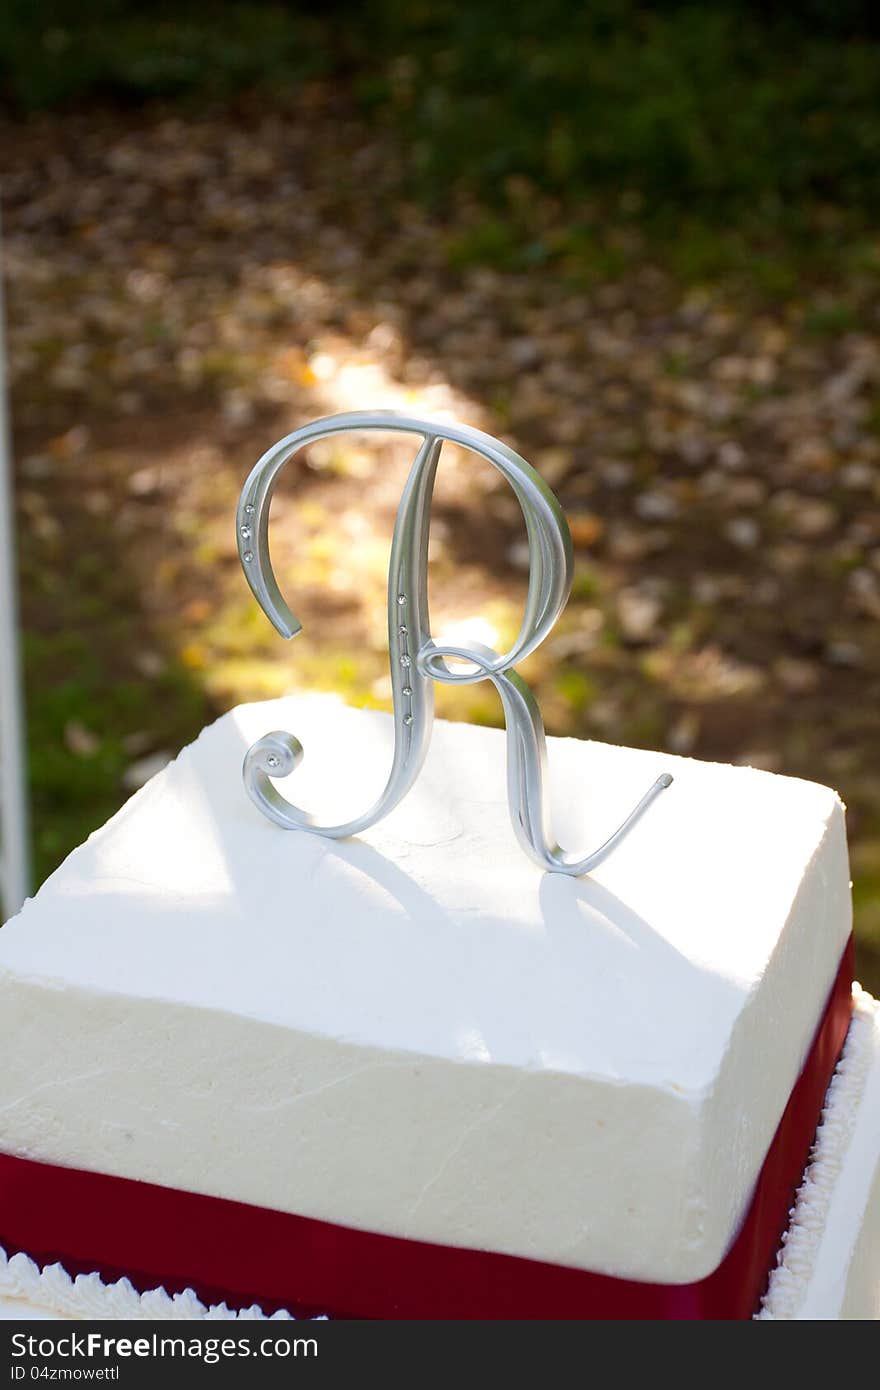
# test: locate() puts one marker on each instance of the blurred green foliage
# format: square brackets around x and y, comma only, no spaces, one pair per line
[667,105]
[56,52]
[686,120]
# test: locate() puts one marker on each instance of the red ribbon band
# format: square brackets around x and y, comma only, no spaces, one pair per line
[245,1254]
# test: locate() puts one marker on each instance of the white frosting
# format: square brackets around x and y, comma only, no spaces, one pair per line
[418,1032]
[832,1271]
[35,1292]
[829,1264]
[803,1276]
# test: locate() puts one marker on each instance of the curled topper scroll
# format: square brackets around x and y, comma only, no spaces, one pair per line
[417,660]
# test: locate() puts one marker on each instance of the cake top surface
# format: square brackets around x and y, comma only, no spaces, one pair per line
[432,931]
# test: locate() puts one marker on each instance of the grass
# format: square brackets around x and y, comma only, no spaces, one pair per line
[57,52]
[76,781]
[729,135]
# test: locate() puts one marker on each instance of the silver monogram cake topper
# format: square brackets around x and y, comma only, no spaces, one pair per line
[417,660]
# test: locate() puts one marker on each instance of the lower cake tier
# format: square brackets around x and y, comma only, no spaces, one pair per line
[139,1250]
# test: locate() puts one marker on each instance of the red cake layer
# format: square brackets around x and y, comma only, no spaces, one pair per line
[244,1254]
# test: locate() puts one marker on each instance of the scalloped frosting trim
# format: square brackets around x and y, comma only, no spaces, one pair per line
[796,1259]
[87,1296]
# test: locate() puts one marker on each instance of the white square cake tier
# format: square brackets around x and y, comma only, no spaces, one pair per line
[418,1032]
[828,1267]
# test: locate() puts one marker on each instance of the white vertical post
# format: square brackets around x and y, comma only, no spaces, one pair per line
[14,835]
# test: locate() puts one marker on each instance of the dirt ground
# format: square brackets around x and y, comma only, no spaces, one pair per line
[184,288]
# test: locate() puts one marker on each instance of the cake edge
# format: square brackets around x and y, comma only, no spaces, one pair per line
[797,1257]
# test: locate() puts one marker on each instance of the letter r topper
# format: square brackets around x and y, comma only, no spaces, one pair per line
[417,660]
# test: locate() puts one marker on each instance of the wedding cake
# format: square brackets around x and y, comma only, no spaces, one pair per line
[408,1074]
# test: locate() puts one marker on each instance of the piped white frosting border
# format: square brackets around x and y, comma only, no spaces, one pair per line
[88,1297]
[796,1260]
